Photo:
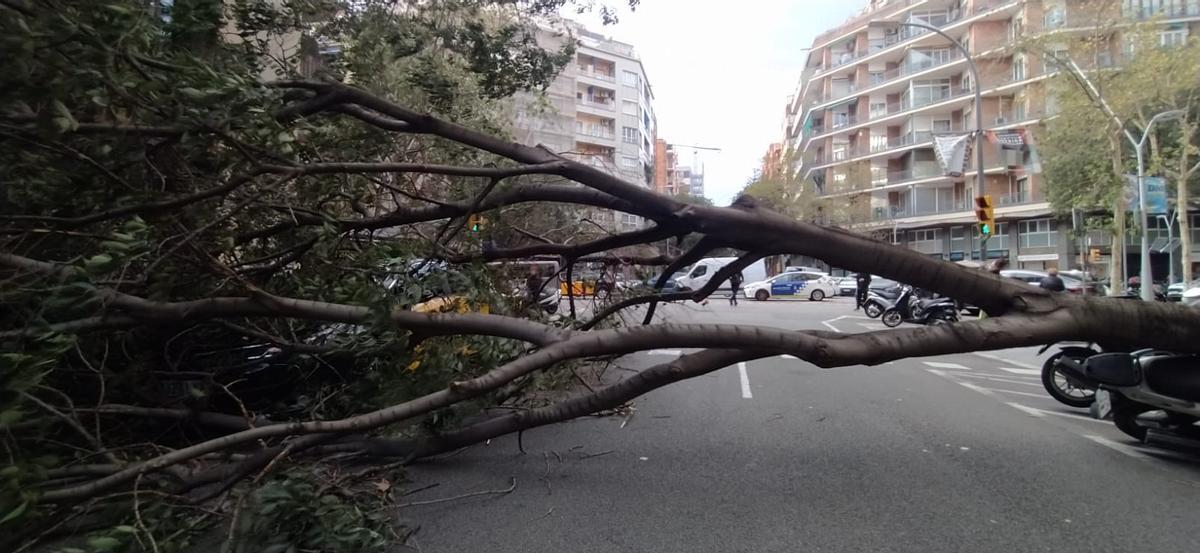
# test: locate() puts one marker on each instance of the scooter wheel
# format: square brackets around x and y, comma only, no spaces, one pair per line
[892,318]
[1060,388]
[872,310]
[1125,413]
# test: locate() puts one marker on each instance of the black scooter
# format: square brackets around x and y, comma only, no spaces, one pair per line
[909,309]
[1153,395]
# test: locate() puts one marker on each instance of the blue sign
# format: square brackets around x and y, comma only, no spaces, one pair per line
[1156,194]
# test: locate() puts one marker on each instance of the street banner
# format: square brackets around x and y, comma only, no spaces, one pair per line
[952,151]
[1156,194]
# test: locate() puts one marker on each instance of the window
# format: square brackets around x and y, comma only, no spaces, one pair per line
[1038,233]
[630,135]
[629,162]
[1018,68]
[999,239]
[878,109]
[922,92]
[958,239]
[1056,16]
[630,78]
[941,125]
[925,240]
[875,77]
[1195,228]
[1156,228]
[700,271]
[1173,37]
[629,108]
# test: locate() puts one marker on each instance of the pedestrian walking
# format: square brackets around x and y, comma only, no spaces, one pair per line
[1052,281]
[735,284]
[862,283]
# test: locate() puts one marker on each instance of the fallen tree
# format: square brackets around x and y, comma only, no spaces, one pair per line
[207,231]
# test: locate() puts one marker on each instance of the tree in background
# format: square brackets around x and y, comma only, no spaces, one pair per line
[1085,149]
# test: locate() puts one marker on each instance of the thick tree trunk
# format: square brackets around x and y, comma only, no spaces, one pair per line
[1116,265]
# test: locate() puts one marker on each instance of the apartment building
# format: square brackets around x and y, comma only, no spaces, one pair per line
[874,92]
[673,179]
[600,111]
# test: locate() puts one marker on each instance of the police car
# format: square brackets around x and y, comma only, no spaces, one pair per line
[814,286]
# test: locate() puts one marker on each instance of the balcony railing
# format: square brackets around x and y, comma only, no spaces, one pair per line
[605,104]
[596,74]
[899,212]
[914,173]
[1170,9]
[595,130]
[1022,198]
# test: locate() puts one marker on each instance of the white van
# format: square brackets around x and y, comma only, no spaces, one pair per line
[699,274]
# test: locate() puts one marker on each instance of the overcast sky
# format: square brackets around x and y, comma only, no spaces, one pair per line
[721,72]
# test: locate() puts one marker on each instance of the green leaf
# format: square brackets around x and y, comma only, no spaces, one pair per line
[104,543]
[125,529]
[18,511]
[98,262]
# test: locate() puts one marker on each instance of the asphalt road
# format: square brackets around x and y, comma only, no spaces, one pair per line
[951,453]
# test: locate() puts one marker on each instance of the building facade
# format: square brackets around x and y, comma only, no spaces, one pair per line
[599,110]
[673,179]
[874,92]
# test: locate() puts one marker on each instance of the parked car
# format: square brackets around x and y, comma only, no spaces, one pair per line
[669,287]
[1175,291]
[1191,297]
[803,269]
[847,286]
[1034,278]
[699,274]
[814,286]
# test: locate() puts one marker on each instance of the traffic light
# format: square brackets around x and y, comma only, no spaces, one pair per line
[475,222]
[985,212]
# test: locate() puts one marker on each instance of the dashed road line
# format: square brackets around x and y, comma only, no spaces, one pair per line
[793,357]
[1019,393]
[674,352]
[745,378]
[973,387]
[941,365]
[995,357]
[1118,447]
[1032,372]
[1004,380]
[1027,410]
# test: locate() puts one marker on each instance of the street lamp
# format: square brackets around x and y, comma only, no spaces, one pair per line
[1147,286]
[980,187]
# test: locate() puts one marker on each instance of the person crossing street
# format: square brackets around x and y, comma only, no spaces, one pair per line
[862,282]
[735,284]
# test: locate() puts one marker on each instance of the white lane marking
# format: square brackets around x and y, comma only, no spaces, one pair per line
[1034,372]
[941,365]
[1004,380]
[829,324]
[786,356]
[1118,447]
[937,372]
[1015,392]
[664,352]
[1027,410]
[873,326]
[973,387]
[745,381]
[995,357]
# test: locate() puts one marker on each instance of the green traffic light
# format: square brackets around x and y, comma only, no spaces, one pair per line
[985,229]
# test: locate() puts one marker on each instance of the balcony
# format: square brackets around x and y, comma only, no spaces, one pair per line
[1172,9]
[594,102]
[593,73]
[1025,197]
[593,130]
[910,139]
[899,212]
[880,79]
[923,171]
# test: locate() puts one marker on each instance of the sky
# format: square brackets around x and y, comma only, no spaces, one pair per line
[721,72]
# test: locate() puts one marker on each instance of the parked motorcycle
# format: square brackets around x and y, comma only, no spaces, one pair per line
[879,300]
[909,309]
[1154,395]
[1063,376]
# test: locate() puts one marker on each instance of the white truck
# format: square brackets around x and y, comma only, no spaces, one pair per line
[699,274]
